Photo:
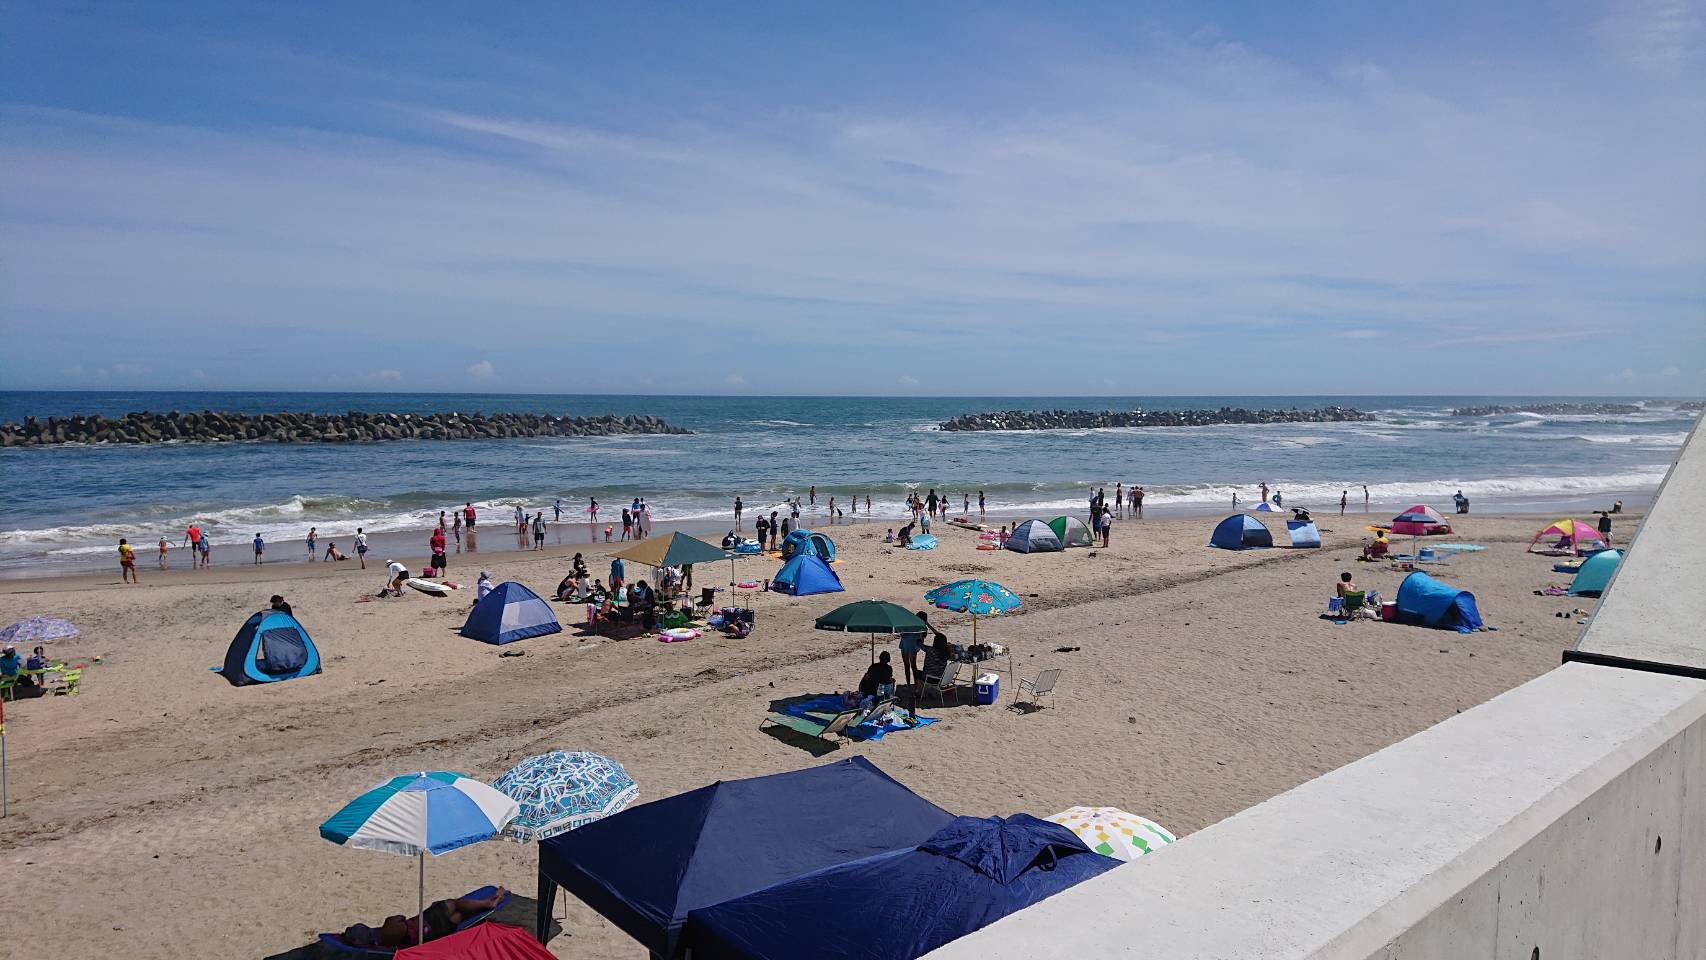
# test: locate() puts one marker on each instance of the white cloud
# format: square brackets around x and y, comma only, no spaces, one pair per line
[1671,372]
[735,380]
[908,381]
[131,369]
[482,370]
[395,375]
[1661,36]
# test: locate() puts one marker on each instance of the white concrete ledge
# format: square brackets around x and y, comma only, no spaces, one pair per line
[1567,816]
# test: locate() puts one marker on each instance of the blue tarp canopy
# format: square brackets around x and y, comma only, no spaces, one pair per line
[510,612]
[901,905]
[1595,573]
[1422,599]
[805,575]
[647,867]
[1240,532]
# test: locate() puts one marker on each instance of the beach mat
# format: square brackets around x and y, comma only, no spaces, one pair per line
[335,941]
[824,708]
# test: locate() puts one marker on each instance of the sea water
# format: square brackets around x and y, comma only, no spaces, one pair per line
[67,506]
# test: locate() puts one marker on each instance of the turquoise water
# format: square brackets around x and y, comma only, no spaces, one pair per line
[69,505]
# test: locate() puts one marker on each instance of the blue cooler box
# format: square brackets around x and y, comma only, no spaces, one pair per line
[988,688]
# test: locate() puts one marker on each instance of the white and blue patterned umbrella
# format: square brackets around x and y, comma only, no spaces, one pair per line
[418,814]
[560,791]
[38,630]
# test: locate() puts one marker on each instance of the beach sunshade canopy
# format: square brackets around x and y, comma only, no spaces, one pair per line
[1112,832]
[646,868]
[38,630]
[1262,506]
[805,575]
[1595,574]
[509,613]
[980,598]
[270,646]
[1033,536]
[1420,520]
[1071,532]
[1435,603]
[560,791]
[1303,534]
[1240,532]
[488,941]
[1579,537]
[675,550]
[872,616]
[903,904]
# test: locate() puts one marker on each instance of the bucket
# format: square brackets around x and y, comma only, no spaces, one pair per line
[1389,611]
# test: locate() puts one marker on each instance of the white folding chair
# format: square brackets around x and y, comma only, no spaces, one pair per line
[945,682]
[1042,686]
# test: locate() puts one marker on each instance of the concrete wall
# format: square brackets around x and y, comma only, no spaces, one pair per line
[1566,816]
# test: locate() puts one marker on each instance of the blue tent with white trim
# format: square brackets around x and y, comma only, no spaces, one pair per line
[905,903]
[1240,532]
[1595,573]
[1434,603]
[270,646]
[509,613]
[805,541]
[805,575]
[646,868]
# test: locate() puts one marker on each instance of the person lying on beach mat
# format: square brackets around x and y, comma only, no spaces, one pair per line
[442,919]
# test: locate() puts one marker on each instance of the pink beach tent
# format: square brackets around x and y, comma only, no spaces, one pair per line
[1420,520]
[1568,534]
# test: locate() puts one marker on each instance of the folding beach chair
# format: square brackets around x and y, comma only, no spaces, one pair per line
[1042,686]
[707,599]
[816,728]
[945,682]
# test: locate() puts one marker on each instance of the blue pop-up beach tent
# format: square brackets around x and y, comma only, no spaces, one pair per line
[805,541]
[510,612]
[904,904]
[805,575]
[1240,532]
[1595,573]
[1422,599]
[1303,533]
[646,868]
[270,646]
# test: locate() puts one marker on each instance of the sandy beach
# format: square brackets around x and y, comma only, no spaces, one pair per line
[162,813]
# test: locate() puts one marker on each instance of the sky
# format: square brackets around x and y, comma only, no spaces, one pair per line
[875,198]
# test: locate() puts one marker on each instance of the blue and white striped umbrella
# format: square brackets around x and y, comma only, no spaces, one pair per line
[421,813]
[418,814]
[560,791]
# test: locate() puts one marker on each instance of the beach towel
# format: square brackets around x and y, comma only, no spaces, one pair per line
[822,708]
[336,940]
[924,541]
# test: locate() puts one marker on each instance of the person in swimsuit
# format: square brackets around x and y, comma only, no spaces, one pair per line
[442,918]
[127,562]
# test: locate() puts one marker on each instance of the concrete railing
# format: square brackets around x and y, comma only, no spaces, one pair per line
[1563,819]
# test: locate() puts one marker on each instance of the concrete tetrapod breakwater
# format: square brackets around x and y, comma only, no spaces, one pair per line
[211,426]
[1095,419]
[1551,409]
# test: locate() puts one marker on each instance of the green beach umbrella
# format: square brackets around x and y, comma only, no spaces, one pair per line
[872,617]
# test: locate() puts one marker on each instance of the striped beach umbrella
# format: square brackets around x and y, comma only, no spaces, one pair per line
[421,813]
[1113,832]
[38,630]
[560,791]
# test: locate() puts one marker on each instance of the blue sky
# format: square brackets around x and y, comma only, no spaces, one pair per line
[855,198]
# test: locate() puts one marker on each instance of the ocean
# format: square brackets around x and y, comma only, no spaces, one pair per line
[67,506]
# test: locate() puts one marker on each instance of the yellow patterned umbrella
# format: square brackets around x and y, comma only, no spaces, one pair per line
[1113,832]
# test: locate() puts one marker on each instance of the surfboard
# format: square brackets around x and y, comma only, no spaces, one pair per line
[428,587]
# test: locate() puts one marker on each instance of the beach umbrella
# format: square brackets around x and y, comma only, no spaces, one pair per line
[421,813]
[560,791]
[872,617]
[38,630]
[980,598]
[1113,832]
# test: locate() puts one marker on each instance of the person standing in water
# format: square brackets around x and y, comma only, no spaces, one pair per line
[1365,498]
[1137,501]
[260,549]
[456,531]
[814,495]
[313,539]
[980,505]
[1264,493]
[738,508]
[164,546]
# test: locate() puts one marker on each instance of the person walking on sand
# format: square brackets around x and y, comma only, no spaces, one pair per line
[627,522]
[361,546]
[164,546]
[260,549]
[435,543]
[763,527]
[539,530]
[192,539]
[1119,499]
[127,562]
[204,550]
[738,508]
[1343,496]
[313,538]
[775,530]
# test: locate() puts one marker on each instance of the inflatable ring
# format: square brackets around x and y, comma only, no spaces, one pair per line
[677,634]
[747,585]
